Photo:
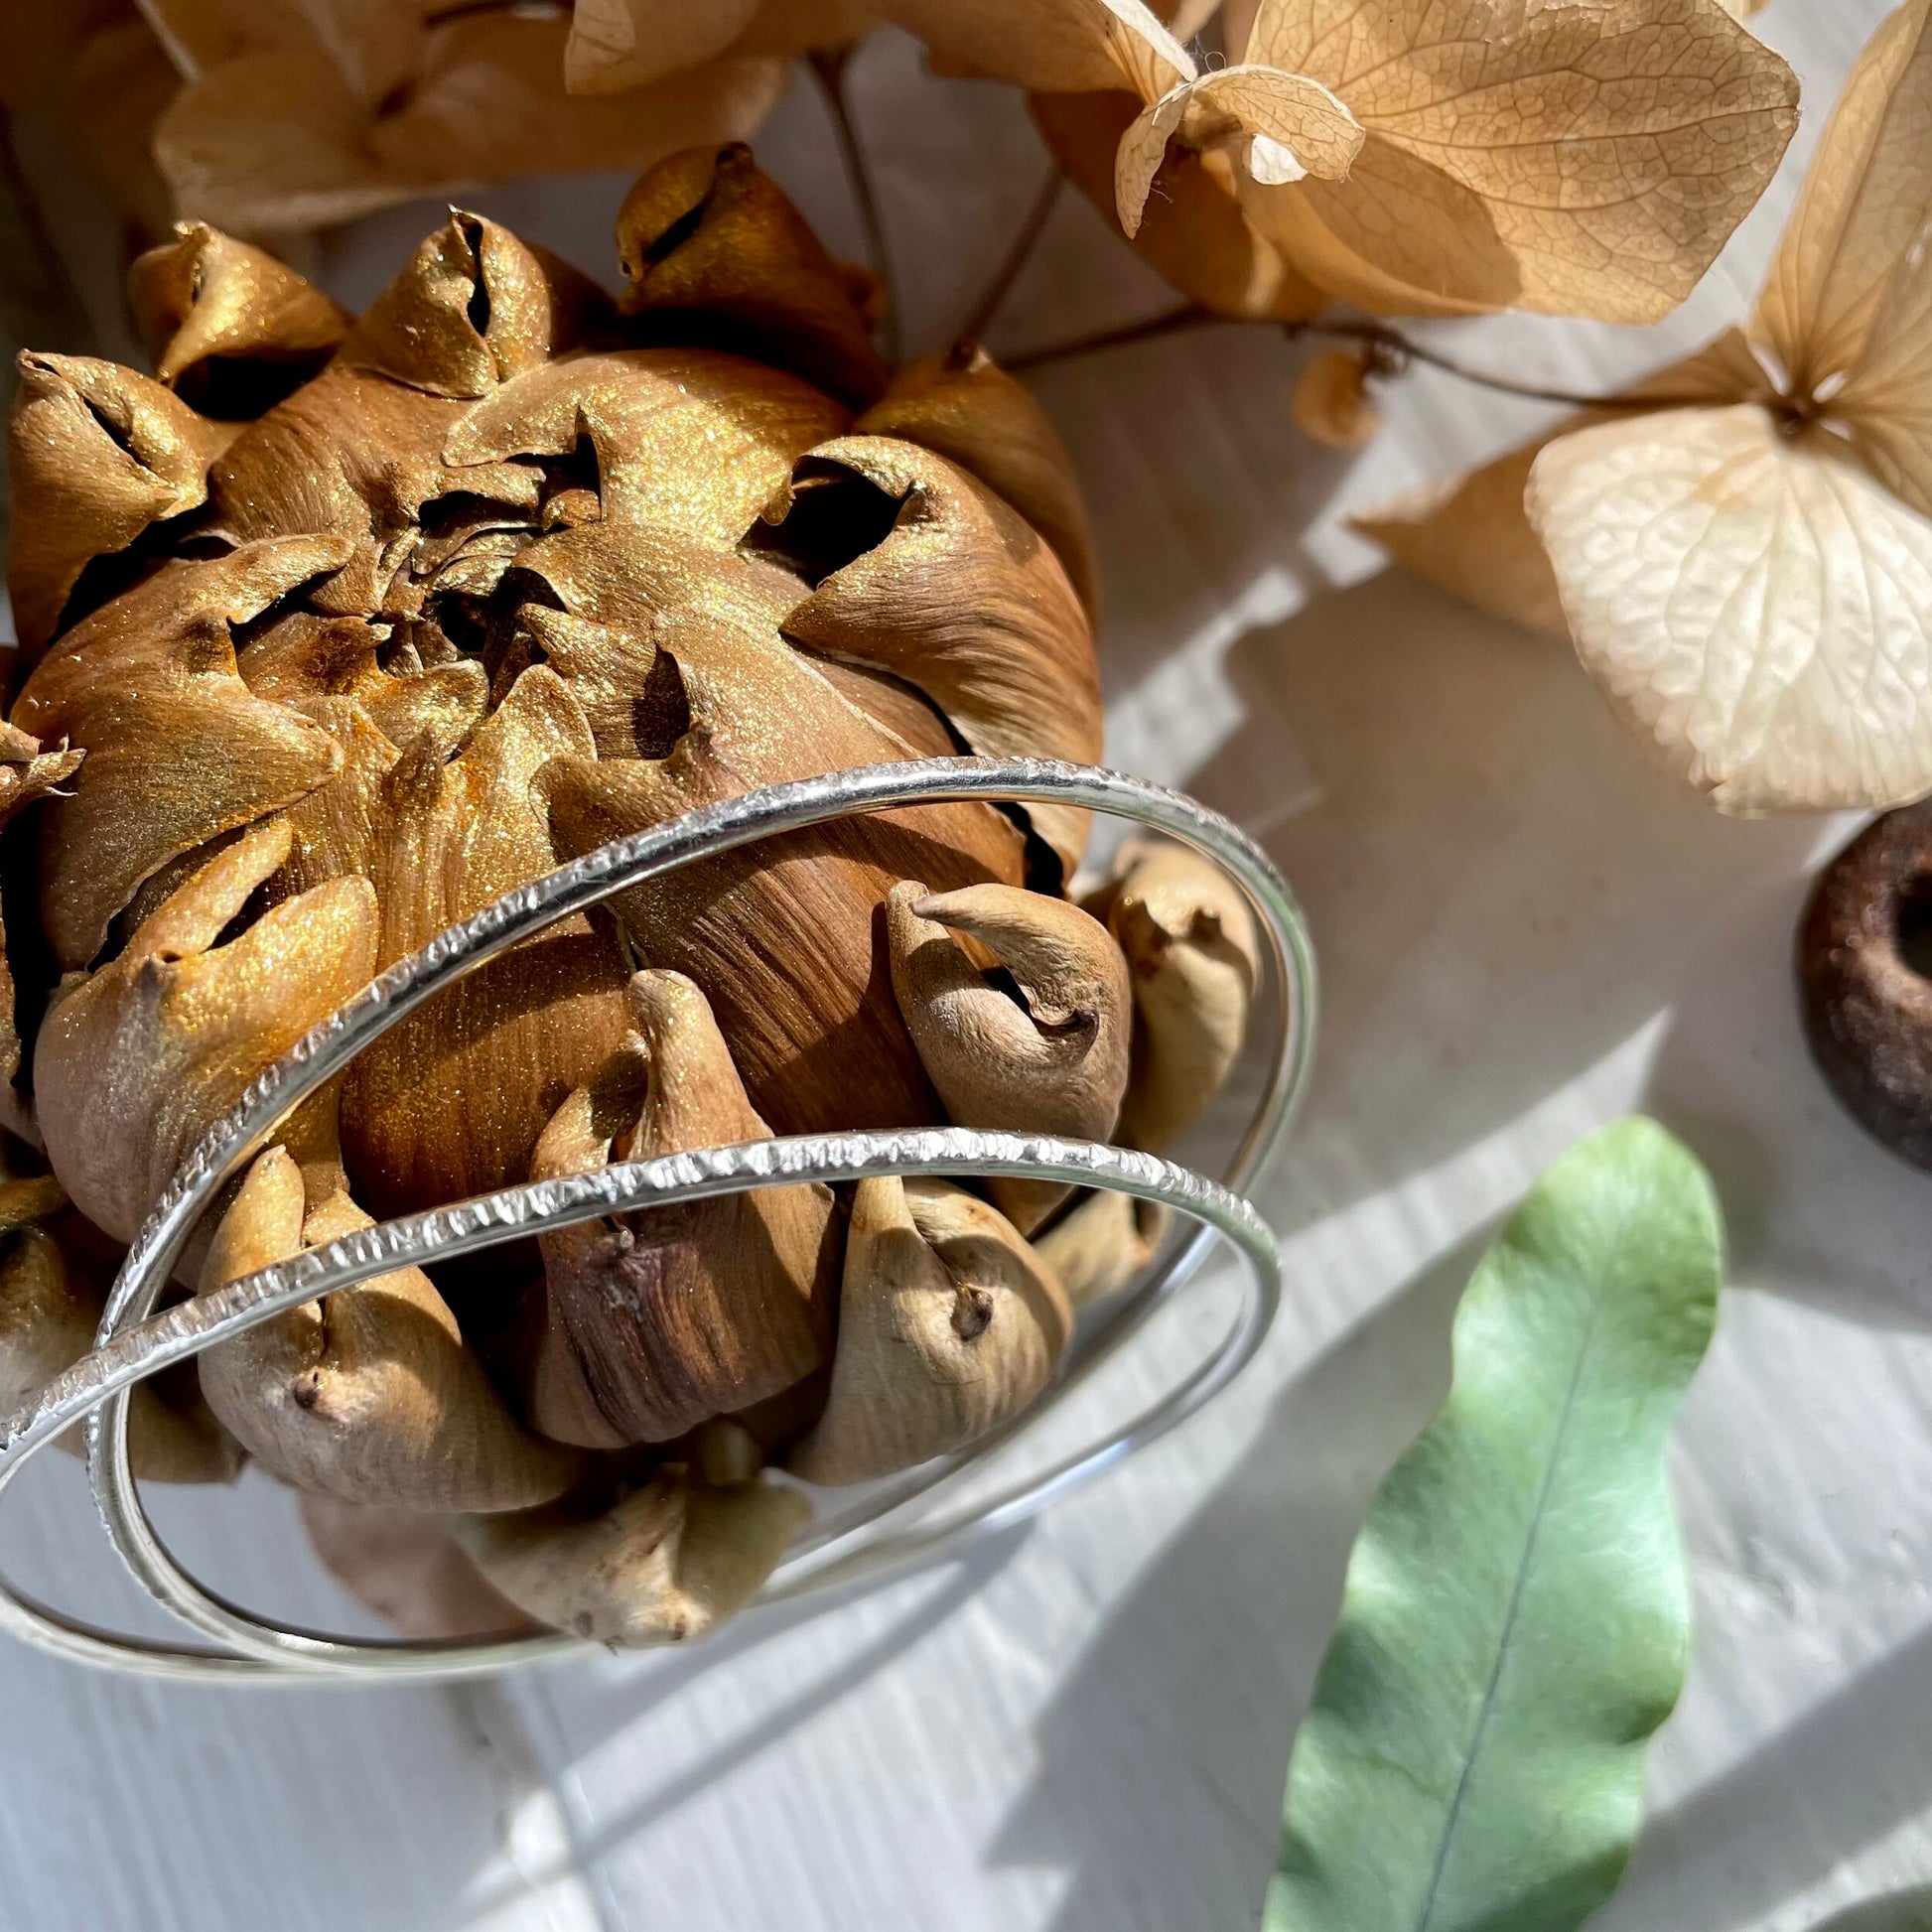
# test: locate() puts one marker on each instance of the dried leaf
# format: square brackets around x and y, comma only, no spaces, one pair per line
[1750,602]
[372,43]
[1765,622]
[619,44]
[281,132]
[1472,536]
[1055,46]
[1886,402]
[1193,230]
[120,86]
[1570,159]
[1862,209]
[492,95]
[1282,126]
[1516,1621]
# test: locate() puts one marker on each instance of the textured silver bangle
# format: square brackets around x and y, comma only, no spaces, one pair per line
[133,1342]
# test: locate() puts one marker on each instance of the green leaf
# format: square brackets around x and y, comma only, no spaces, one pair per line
[1516,1621]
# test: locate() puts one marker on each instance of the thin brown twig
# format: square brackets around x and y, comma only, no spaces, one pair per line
[1392,344]
[1019,254]
[1172,322]
[830,64]
[1400,348]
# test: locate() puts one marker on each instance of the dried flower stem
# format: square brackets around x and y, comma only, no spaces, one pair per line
[830,64]
[1015,260]
[1393,349]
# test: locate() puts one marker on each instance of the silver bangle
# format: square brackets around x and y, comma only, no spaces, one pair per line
[133,1342]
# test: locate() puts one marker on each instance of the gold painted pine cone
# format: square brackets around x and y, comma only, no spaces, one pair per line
[340,628]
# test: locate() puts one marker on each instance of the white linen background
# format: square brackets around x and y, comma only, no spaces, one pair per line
[1083,1727]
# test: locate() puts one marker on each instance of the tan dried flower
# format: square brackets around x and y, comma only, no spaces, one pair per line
[1333,401]
[280,115]
[1414,158]
[1742,549]
[339,628]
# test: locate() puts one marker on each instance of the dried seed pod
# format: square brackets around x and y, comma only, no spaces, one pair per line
[677,1314]
[1189,942]
[370,1394]
[1332,403]
[706,234]
[1867,1006]
[408,1567]
[963,601]
[231,329]
[1040,1048]
[179,751]
[468,587]
[26,774]
[782,937]
[474,308]
[665,1564]
[55,1274]
[1101,1243]
[688,439]
[966,408]
[949,1325]
[452,1101]
[97,454]
[135,1062]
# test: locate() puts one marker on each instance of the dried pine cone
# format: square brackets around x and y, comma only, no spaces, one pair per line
[342,627]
